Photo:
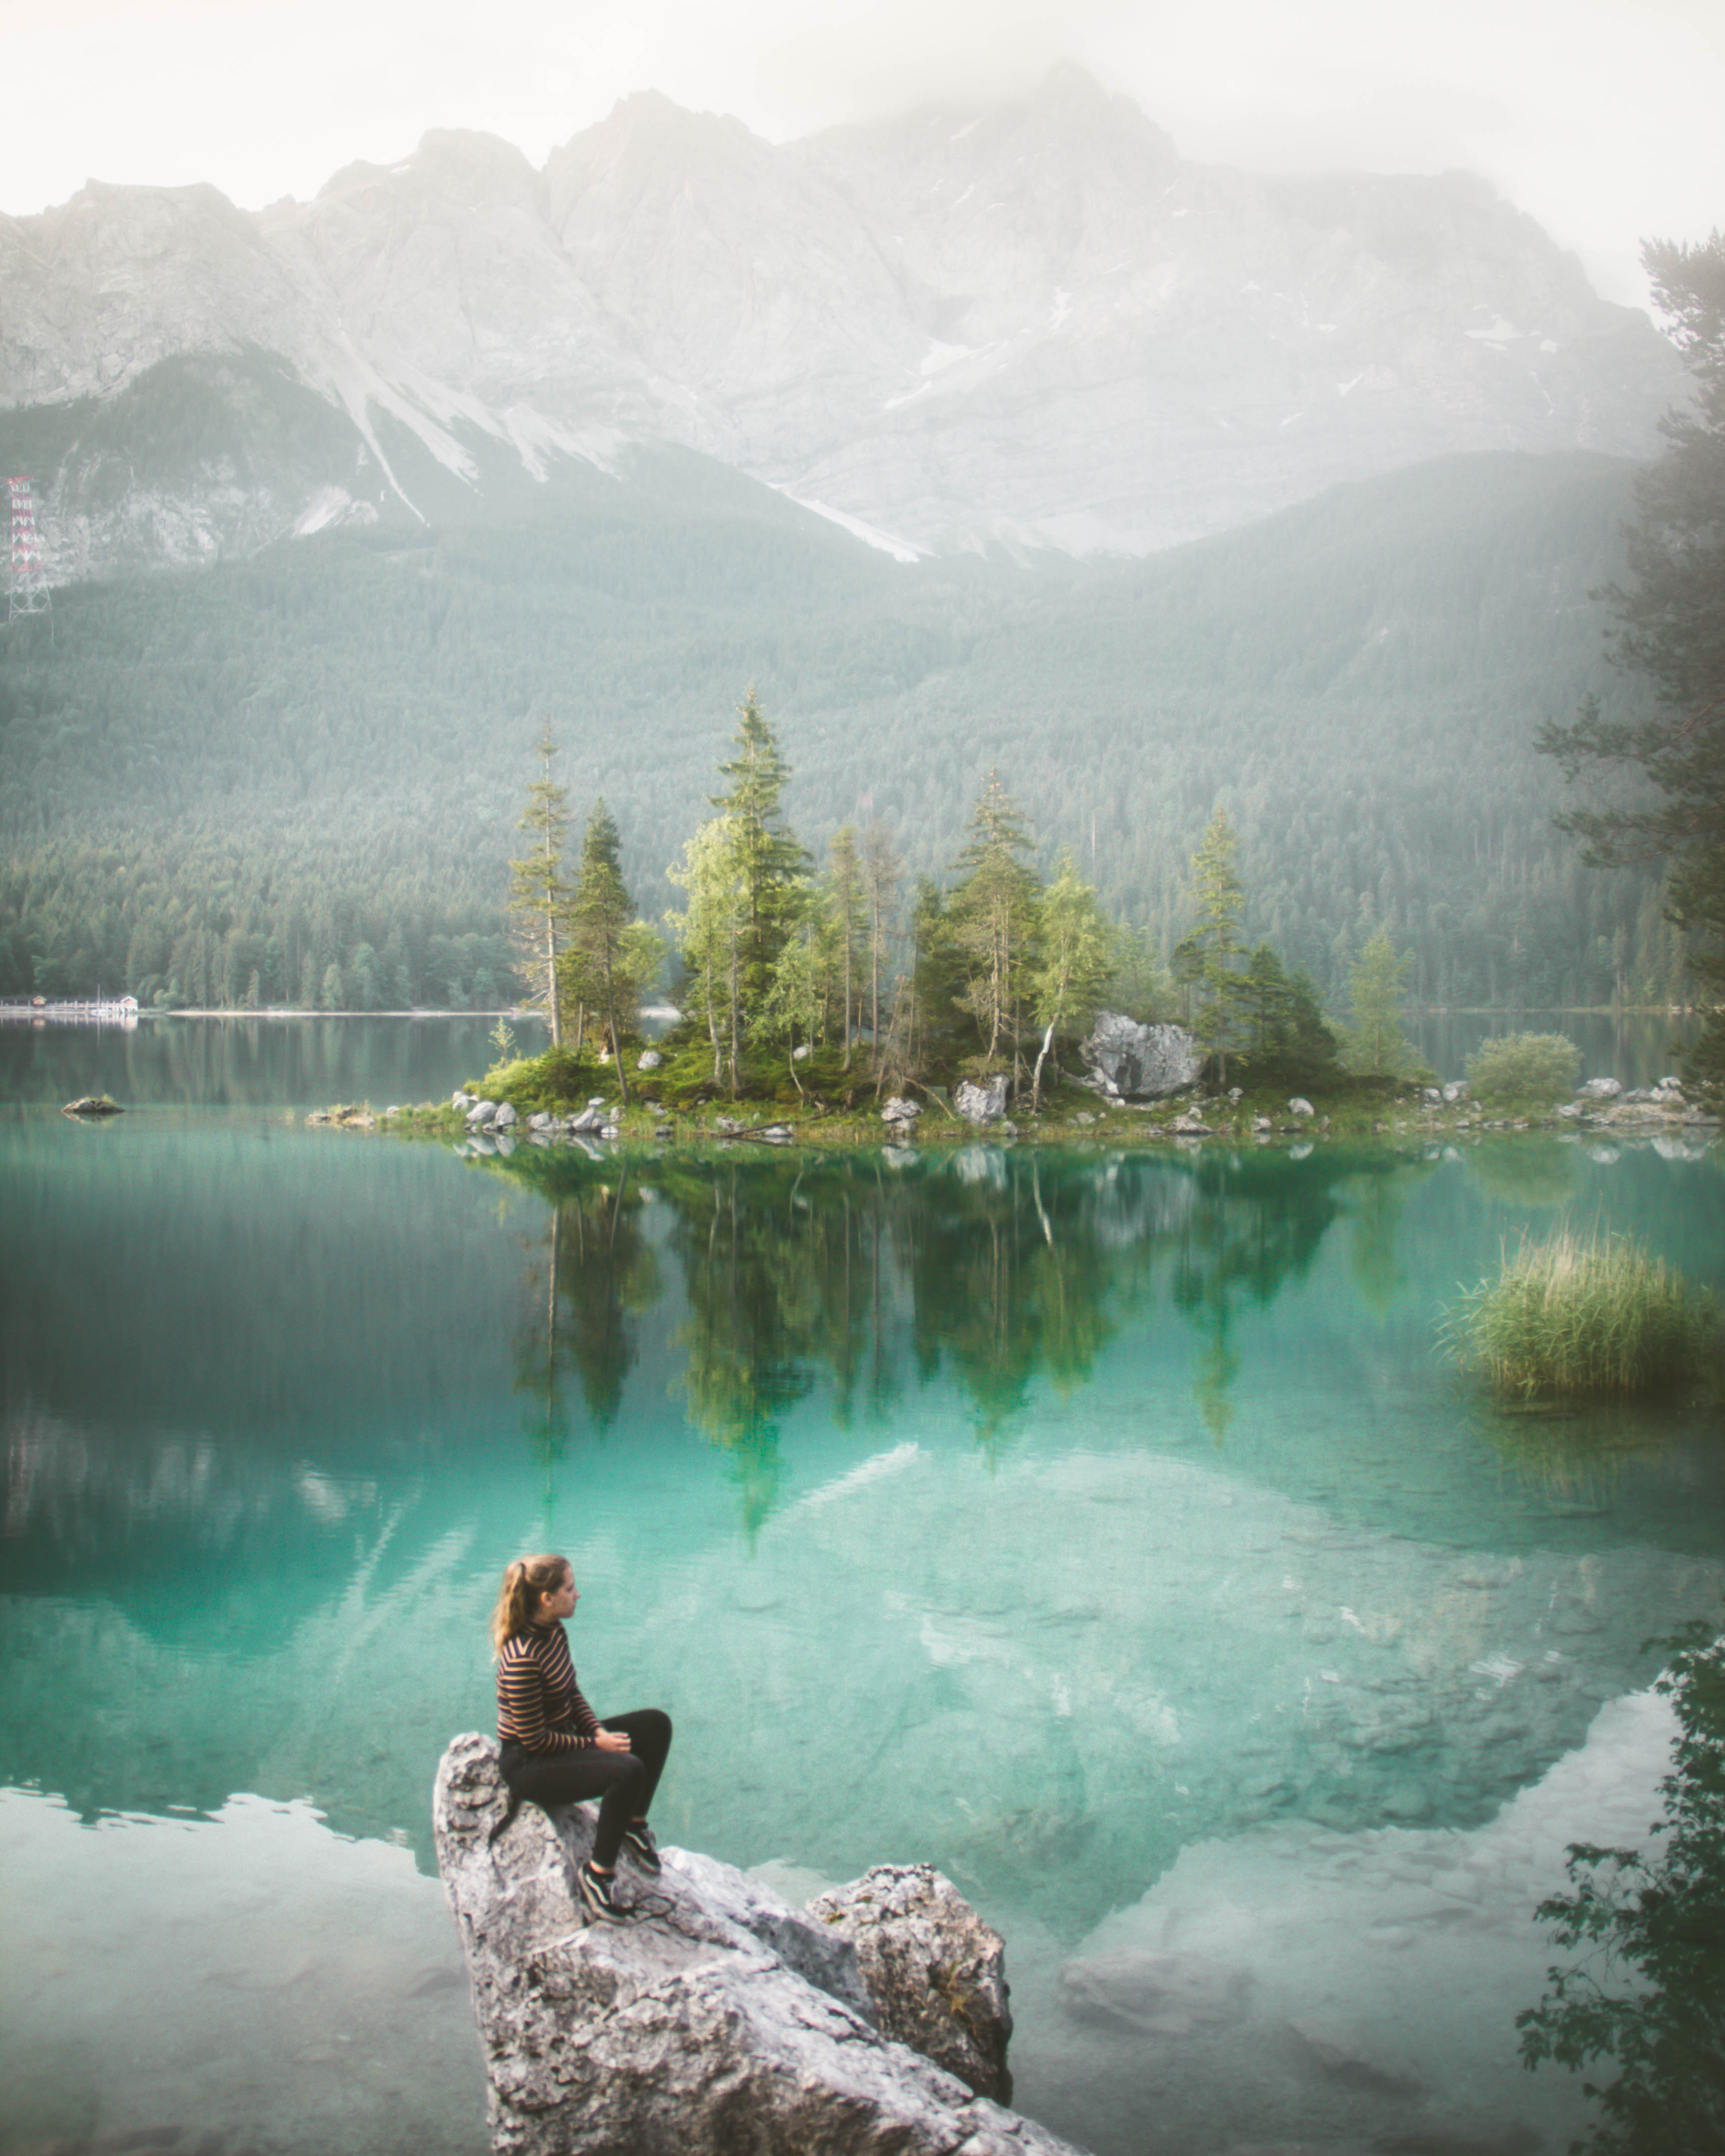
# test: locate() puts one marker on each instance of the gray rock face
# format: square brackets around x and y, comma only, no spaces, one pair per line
[1600,1089]
[504,1118]
[649,1060]
[981,1104]
[1127,1061]
[900,1117]
[719,2020]
[935,1971]
[941,326]
[480,1113]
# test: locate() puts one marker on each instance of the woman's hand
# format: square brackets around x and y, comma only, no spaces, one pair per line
[611,1740]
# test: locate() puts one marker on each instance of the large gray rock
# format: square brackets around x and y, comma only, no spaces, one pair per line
[721,2019]
[935,1971]
[1127,1061]
[981,1104]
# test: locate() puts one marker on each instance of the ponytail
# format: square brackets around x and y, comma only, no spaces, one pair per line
[523,1583]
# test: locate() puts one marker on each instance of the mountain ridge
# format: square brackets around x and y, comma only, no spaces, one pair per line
[1030,322]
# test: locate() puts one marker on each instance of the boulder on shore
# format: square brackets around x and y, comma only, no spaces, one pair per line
[982,1104]
[1126,1061]
[720,2019]
[93,1104]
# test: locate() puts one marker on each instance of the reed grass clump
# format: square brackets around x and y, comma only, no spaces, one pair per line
[1584,1316]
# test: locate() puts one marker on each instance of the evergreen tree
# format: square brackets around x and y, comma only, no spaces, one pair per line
[537,894]
[600,966]
[844,896]
[1072,961]
[882,871]
[795,1005]
[1215,943]
[1672,628]
[990,916]
[768,860]
[1374,1045]
[1266,1000]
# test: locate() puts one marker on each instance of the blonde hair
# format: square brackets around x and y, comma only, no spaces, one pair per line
[523,1583]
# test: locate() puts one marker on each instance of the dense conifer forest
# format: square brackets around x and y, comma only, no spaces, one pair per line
[296,779]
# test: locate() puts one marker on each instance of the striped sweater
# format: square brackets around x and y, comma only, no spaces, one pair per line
[539,1703]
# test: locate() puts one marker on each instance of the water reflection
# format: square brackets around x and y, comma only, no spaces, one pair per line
[1643,1987]
[997,1270]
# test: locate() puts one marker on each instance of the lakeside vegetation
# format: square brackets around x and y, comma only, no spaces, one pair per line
[1585,1316]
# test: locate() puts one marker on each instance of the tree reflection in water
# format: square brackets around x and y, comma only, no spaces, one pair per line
[1649,1993]
[993,1266]
[600,1273]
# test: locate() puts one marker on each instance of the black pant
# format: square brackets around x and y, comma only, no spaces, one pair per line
[622,1781]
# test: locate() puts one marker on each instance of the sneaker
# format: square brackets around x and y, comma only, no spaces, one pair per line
[597,1898]
[640,1848]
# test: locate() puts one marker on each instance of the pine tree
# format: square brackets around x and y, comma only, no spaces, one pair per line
[1671,626]
[990,914]
[1374,1045]
[844,896]
[766,858]
[1214,943]
[537,894]
[1266,1000]
[601,965]
[882,871]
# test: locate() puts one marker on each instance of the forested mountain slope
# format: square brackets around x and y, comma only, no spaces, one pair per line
[315,757]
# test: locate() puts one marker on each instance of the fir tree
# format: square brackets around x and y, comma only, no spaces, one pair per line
[537,894]
[882,871]
[767,859]
[1374,1045]
[990,914]
[604,964]
[1215,943]
[843,895]
[1672,628]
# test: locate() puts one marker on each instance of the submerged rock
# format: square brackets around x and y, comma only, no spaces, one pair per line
[1127,1061]
[721,2019]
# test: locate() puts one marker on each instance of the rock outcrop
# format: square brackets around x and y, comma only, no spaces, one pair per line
[934,1970]
[721,2019]
[1126,1061]
[981,1104]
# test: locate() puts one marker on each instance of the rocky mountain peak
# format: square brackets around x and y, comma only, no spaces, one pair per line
[1030,319]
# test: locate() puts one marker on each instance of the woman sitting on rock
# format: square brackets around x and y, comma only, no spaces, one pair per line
[555,1749]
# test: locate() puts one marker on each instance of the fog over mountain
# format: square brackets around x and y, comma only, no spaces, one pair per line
[1032,323]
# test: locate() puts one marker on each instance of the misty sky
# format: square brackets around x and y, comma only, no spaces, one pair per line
[1604,118]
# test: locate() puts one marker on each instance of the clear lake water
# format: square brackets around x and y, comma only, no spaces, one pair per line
[1108,1529]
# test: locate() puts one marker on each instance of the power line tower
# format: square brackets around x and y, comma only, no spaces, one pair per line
[27,591]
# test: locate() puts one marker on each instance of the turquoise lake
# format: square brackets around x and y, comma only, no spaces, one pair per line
[1107,1528]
